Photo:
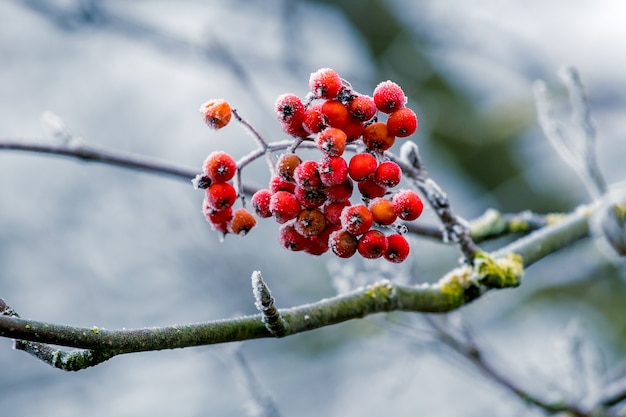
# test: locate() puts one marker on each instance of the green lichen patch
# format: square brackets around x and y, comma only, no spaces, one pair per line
[503,272]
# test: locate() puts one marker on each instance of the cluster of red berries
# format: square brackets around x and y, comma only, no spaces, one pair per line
[311,198]
[219,168]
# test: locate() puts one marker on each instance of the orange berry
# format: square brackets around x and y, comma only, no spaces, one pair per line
[242,222]
[310,222]
[376,137]
[382,211]
[286,164]
[216,113]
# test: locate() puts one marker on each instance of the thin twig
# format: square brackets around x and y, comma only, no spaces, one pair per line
[468,348]
[455,229]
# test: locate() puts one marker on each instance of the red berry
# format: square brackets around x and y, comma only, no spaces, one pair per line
[289,108]
[279,184]
[369,189]
[314,120]
[402,122]
[220,195]
[333,170]
[325,83]
[284,206]
[242,222]
[356,219]
[290,239]
[216,216]
[310,199]
[220,166]
[340,192]
[372,244]
[388,174]
[376,137]
[361,166]
[216,113]
[389,97]
[407,204]
[286,164]
[332,211]
[307,176]
[382,211]
[261,203]
[335,113]
[310,222]
[331,141]
[343,244]
[362,108]
[218,219]
[397,248]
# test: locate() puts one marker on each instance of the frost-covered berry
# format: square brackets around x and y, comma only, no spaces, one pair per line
[335,113]
[331,141]
[407,204]
[310,199]
[325,83]
[389,97]
[289,238]
[286,164]
[382,211]
[342,243]
[397,248]
[310,222]
[261,203]
[220,166]
[242,222]
[284,206]
[216,113]
[278,184]
[402,122]
[361,166]
[307,176]
[289,108]
[372,244]
[333,170]
[216,216]
[356,219]
[220,195]
[388,174]
[376,137]
[362,108]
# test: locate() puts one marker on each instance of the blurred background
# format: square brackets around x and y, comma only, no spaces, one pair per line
[88,244]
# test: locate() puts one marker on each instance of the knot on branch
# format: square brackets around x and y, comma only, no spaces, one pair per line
[264,302]
[502,272]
